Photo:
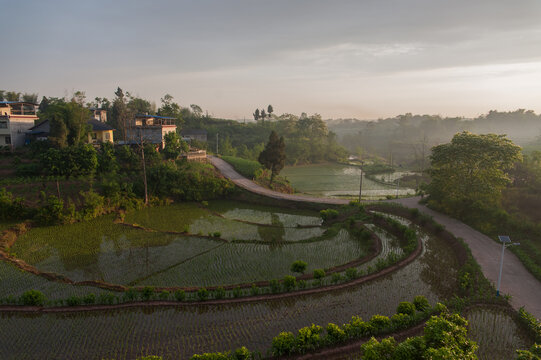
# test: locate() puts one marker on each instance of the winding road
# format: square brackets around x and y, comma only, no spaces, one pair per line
[524,288]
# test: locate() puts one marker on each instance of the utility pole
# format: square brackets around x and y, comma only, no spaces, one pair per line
[216,143]
[361,183]
[144,166]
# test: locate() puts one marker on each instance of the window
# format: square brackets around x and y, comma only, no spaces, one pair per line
[7,140]
[3,125]
[94,136]
[107,136]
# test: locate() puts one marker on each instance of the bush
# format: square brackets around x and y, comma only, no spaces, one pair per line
[89,299]
[202,294]
[254,290]
[328,214]
[356,327]
[180,295]
[421,303]
[219,293]
[298,266]
[308,338]
[335,334]
[301,284]
[289,282]
[73,301]
[400,321]
[164,295]
[147,292]
[274,286]
[237,292]
[283,344]
[336,278]
[379,322]
[351,273]
[107,298]
[130,294]
[319,274]
[405,307]
[217,234]
[33,298]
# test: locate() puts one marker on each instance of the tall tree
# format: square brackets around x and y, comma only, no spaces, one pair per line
[119,114]
[270,110]
[471,171]
[274,155]
[31,98]
[256,114]
[13,96]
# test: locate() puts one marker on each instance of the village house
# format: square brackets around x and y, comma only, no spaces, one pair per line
[16,118]
[100,132]
[150,129]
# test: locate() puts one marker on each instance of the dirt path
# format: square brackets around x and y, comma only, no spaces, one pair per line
[239,180]
[524,288]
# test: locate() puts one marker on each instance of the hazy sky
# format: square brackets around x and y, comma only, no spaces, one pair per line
[363,59]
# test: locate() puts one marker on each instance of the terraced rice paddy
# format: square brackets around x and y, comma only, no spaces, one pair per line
[497,333]
[244,252]
[178,332]
[337,180]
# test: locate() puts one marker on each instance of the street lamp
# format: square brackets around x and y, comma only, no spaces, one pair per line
[506,242]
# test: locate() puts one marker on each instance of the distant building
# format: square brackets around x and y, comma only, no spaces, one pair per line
[99,114]
[99,132]
[194,134]
[16,118]
[150,129]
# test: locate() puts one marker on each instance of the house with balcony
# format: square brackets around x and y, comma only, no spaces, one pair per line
[16,118]
[150,129]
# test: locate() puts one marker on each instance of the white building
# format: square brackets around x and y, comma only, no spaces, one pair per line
[150,129]
[16,118]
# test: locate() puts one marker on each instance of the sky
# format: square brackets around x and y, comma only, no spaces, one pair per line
[342,58]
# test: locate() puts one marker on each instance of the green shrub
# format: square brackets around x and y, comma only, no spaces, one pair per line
[379,322]
[150,357]
[274,286]
[421,303]
[217,234]
[254,290]
[336,278]
[298,266]
[89,299]
[73,301]
[328,214]
[335,334]
[400,321]
[237,292]
[202,294]
[289,282]
[283,344]
[356,328]
[308,338]
[180,295]
[147,292]
[405,307]
[301,284]
[106,298]
[319,274]
[164,295]
[219,293]
[130,294]
[351,273]
[33,298]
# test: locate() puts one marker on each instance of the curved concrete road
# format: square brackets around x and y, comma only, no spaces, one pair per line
[524,288]
[239,180]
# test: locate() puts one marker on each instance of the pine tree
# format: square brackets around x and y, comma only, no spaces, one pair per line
[274,155]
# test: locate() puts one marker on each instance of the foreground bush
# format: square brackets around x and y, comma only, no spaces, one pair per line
[246,168]
[33,298]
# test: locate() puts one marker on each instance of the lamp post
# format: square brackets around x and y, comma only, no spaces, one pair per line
[506,241]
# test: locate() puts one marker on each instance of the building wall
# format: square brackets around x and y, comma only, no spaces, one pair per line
[100,136]
[18,127]
[150,134]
